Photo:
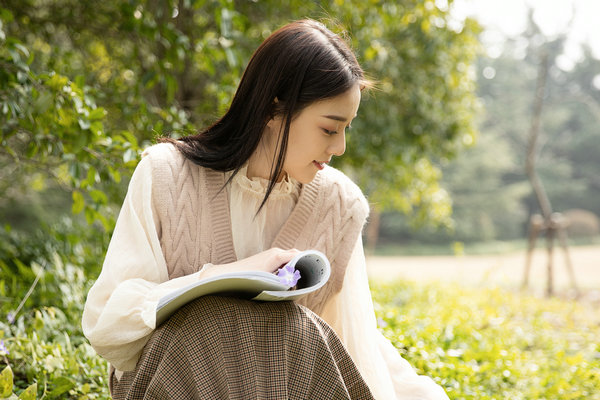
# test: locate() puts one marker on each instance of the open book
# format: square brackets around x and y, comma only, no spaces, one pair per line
[314,271]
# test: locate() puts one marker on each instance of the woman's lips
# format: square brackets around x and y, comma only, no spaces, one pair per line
[319,165]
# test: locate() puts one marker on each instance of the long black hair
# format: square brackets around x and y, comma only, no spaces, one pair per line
[300,63]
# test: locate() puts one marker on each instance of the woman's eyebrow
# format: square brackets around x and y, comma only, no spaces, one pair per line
[335,118]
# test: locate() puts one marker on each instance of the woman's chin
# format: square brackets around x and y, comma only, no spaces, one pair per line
[304,178]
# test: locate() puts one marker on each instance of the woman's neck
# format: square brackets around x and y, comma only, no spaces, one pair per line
[260,163]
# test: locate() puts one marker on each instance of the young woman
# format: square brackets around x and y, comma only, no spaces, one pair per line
[248,193]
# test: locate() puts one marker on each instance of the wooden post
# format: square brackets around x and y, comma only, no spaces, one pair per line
[550,247]
[562,238]
[536,223]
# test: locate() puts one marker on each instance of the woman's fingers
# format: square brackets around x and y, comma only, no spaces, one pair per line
[274,258]
[269,260]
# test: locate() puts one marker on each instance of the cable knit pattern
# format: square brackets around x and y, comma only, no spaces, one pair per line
[193,212]
[195,225]
[175,188]
[329,216]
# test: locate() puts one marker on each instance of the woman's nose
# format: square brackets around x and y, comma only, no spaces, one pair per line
[338,146]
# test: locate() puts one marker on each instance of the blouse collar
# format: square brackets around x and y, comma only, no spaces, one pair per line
[258,186]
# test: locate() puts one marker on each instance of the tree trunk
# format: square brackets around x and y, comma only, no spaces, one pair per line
[534,132]
[536,183]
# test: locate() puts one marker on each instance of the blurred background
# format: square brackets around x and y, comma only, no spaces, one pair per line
[482,133]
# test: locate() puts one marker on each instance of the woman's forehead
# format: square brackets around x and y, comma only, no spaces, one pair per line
[340,108]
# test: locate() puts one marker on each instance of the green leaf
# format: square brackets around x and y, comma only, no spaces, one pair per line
[85,389]
[90,179]
[78,202]
[57,81]
[38,323]
[6,382]
[90,214]
[97,113]
[98,196]
[5,15]
[130,138]
[22,48]
[115,174]
[61,386]
[96,127]
[30,393]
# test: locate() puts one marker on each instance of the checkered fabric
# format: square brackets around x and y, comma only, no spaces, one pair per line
[228,348]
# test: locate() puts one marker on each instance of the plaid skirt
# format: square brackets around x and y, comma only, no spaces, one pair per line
[226,348]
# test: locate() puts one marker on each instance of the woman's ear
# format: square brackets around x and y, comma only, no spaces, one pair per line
[276,115]
[275,125]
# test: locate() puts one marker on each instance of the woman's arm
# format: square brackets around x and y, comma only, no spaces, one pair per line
[351,314]
[119,313]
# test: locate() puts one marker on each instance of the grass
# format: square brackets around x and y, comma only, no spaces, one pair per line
[493,343]
[477,343]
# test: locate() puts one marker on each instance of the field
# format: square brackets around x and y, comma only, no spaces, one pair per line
[465,321]
[505,269]
[460,320]
[491,343]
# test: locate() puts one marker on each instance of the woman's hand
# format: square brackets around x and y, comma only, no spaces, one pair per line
[268,261]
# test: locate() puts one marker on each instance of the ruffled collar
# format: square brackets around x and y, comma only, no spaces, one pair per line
[258,186]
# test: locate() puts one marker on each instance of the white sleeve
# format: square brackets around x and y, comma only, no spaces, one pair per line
[119,313]
[351,314]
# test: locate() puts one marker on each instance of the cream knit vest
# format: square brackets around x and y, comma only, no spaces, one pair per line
[194,225]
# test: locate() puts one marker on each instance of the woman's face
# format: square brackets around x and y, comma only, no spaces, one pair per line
[317,134]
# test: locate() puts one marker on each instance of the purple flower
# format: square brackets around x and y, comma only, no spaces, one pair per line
[3,350]
[11,318]
[288,275]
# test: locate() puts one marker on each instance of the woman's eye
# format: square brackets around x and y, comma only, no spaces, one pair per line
[327,131]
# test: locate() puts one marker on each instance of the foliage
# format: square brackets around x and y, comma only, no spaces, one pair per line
[45,342]
[423,108]
[486,207]
[491,196]
[61,365]
[569,118]
[476,343]
[52,254]
[85,86]
[169,67]
[51,125]
[492,343]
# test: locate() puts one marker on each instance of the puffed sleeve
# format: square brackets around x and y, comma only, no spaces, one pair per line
[350,313]
[119,313]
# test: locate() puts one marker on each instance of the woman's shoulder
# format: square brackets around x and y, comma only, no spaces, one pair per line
[164,152]
[347,191]
[169,165]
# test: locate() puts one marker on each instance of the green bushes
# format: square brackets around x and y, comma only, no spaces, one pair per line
[44,343]
[62,365]
[476,343]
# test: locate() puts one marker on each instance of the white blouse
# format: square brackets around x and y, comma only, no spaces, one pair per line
[119,313]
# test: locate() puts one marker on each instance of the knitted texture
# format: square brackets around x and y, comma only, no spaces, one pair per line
[195,226]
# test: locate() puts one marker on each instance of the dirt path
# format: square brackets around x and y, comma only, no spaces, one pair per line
[492,270]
